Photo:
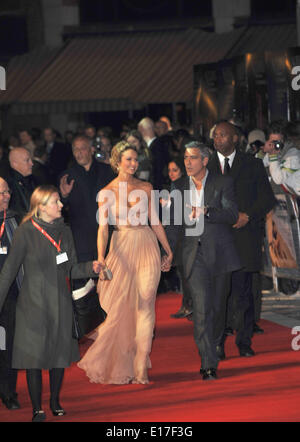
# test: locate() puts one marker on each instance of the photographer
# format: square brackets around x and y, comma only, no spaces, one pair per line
[256,140]
[282,158]
[103,146]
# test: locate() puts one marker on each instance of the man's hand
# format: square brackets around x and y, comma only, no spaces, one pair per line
[243,219]
[64,187]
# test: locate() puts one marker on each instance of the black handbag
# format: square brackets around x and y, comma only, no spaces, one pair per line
[87,311]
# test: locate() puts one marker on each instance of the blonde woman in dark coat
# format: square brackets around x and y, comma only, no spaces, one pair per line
[43,335]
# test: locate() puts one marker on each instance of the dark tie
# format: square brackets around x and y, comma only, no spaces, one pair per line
[226,166]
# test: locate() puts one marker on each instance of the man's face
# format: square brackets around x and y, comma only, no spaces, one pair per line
[194,164]
[106,144]
[82,152]
[161,128]
[90,132]
[22,162]
[269,144]
[49,136]
[224,139]
[24,137]
[4,195]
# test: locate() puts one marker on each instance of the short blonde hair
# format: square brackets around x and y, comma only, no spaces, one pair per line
[117,152]
[41,195]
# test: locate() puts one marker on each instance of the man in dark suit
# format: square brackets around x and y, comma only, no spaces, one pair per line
[159,153]
[206,250]
[59,154]
[39,170]
[79,187]
[8,375]
[255,199]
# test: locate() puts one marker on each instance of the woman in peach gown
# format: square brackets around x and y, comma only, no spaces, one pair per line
[120,353]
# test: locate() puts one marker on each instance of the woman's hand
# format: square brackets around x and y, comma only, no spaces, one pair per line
[96,266]
[166,262]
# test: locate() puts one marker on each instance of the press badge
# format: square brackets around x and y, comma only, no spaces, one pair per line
[3,250]
[62,257]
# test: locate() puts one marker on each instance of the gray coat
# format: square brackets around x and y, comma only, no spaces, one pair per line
[43,335]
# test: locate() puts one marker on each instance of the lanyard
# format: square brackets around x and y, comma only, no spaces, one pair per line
[2,225]
[47,236]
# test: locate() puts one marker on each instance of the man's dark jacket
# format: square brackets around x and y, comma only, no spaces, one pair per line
[217,239]
[255,197]
[21,188]
[160,159]
[59,158]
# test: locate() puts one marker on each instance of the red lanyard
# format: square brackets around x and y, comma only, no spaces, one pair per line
[2,225]
[47,236]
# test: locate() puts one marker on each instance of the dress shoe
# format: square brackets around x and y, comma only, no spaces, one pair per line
[246,351]
[183,312]
[220,352]
[257,330]
[57,409]
[209,374]
[38,416]
[11,402]
[228,331]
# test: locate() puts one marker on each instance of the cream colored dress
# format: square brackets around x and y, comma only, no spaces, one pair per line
[120,353]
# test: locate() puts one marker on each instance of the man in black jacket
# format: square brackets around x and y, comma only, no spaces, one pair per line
[59,154]
[255,199]
[159,153]
[8,376]
[79,187]
[20,180]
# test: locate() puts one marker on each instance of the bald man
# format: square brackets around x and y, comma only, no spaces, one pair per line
[20,180]
[8,376]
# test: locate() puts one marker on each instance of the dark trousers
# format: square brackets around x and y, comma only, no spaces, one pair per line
[208,293]
[242,306]
[8,375]
[187,301]
[257,295]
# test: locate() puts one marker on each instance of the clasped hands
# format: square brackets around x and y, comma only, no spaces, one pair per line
[98,267]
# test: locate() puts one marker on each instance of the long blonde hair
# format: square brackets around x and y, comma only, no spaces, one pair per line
[40,195]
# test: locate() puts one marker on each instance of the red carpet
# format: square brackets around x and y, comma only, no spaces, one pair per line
[262,388]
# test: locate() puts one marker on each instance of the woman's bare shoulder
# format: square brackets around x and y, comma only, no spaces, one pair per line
[144,185]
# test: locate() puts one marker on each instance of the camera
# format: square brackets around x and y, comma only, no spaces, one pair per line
[255,147]
[99,155]
[278,144]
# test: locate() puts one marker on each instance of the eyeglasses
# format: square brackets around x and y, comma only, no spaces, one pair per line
[5,192]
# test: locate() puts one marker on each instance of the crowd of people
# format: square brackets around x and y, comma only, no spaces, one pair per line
[64,216]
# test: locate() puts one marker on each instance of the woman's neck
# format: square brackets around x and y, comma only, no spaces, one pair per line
[46,219]
[125,177]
